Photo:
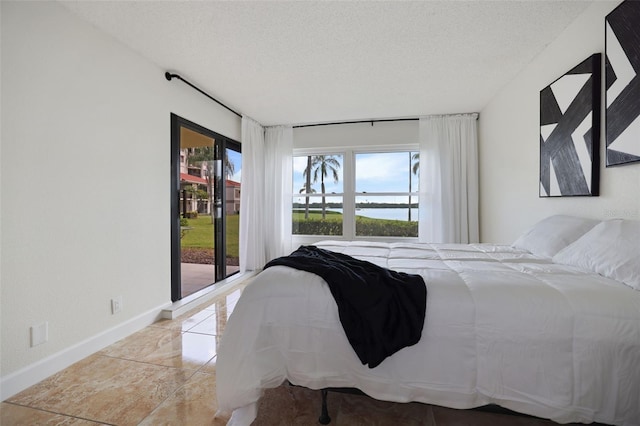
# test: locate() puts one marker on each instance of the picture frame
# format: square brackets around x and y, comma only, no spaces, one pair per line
[570,132]
[622,84]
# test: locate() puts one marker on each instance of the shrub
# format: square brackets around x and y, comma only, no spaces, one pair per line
[317,227]
[192,215]
[364,227]
[385,228]
[184,221]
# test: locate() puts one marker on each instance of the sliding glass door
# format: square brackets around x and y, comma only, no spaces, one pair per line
[205,207]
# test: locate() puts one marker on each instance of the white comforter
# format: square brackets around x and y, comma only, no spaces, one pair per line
[502,326]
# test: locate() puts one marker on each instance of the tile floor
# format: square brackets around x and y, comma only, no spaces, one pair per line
[165,375]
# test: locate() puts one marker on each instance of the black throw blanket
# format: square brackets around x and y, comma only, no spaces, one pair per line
[381,311]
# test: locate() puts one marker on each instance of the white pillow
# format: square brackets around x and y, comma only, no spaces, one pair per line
[611,249]
[552,234]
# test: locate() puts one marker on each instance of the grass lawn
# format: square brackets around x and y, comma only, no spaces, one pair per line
[201,234]
[298,216]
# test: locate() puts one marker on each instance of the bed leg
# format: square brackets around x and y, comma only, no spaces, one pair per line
[324,418]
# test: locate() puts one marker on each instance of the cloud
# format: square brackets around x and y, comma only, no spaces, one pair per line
[375,172]
[237,176]
[299,164]
[381,166]
[382,172]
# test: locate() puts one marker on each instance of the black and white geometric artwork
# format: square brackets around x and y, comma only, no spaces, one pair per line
[570,132]
[622,67]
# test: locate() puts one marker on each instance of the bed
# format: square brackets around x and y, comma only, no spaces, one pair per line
[548,326]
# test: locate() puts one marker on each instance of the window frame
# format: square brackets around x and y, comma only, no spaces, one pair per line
[348,187]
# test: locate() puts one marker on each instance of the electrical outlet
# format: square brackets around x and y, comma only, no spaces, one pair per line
[116,305]
[39,334]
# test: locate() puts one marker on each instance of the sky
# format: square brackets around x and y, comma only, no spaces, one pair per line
[236,158]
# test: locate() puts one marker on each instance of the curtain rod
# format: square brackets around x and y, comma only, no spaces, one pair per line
[382,120]
[169,76]
[355,122]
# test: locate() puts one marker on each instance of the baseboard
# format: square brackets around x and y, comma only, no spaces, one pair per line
[40,370]
[196,299]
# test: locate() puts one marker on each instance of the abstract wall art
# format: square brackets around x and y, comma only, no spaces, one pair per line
[622,69]
[570,132]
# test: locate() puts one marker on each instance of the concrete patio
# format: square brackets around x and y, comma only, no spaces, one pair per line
[197,276]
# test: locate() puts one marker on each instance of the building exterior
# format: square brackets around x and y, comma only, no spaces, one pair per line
[196,189]
[233,197]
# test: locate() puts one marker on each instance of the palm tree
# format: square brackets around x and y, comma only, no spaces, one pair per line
[229,167]
[204,155]
[305,190]
[307,187]
[199,155]
[414,167]
[322,165]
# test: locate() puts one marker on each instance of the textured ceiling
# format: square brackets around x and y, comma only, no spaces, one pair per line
[318,61]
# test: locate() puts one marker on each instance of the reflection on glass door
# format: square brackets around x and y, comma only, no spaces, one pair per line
[204,165]
[233,168]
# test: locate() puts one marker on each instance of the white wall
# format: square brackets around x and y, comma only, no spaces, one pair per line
[509,147]
[85,185]
[381,134]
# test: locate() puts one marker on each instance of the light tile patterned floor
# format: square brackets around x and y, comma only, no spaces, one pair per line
[165,375]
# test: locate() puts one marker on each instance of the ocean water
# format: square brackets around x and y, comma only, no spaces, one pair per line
[389,213]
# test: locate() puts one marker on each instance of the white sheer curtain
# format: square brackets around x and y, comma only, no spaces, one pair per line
[449,179]
[252,252]
[277,193]
[265,198]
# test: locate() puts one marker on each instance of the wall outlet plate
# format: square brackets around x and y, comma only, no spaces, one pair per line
[39,334]
[116,305]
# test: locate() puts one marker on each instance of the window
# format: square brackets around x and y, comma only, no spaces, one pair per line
[386,194]
[318,194]
[356,194]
